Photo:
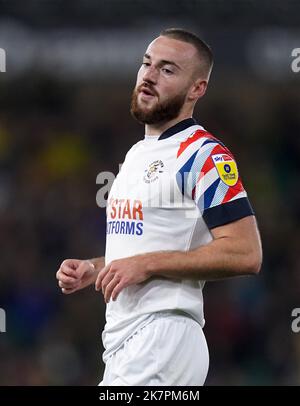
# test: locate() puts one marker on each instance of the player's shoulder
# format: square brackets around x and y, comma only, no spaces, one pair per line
[133,148]
[200,141]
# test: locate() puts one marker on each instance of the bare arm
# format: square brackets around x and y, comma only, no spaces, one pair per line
[234,251]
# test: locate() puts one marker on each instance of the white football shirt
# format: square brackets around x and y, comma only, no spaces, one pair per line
[171,190]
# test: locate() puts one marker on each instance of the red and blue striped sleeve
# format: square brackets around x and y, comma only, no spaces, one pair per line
[208,174]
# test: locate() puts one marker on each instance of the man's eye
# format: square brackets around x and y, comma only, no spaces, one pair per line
[168,71]
[146,63]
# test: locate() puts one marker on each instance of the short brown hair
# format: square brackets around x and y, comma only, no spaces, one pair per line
[204,51]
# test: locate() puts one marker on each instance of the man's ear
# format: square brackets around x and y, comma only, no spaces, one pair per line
[198,89]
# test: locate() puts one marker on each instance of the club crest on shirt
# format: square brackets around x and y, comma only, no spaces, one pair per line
[226,168]
[153,170]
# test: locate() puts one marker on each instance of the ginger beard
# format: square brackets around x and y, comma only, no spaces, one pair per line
[159,112]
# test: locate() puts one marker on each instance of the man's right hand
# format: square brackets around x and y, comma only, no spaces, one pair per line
[76,274]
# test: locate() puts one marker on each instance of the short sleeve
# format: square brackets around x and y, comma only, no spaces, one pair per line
[208,174]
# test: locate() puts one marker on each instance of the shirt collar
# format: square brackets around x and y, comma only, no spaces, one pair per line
[182,125]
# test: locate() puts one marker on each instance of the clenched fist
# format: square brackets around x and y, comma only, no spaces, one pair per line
[76,274]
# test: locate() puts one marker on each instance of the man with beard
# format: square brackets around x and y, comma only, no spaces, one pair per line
[177,215]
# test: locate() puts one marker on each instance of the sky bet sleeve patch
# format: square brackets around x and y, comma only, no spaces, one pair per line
[227,169]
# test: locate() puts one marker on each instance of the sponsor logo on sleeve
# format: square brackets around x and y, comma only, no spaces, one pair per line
[227,168]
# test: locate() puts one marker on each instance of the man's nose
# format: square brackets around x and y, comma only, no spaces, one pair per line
[150,75]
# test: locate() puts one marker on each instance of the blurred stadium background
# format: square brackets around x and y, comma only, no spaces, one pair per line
[64,117]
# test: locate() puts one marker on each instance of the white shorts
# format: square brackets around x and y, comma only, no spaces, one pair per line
[169,351]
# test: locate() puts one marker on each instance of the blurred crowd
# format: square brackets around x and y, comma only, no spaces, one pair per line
[55,137]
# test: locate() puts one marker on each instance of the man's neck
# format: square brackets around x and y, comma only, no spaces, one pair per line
[158,129]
